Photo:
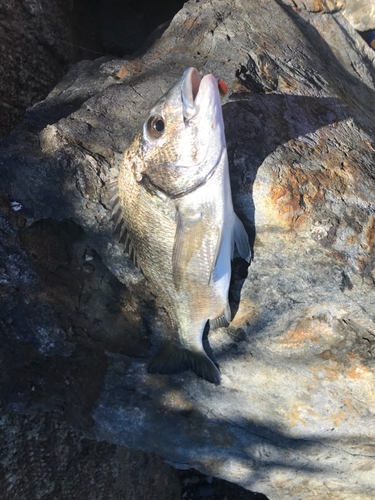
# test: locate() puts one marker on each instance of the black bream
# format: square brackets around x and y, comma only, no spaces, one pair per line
[173,208]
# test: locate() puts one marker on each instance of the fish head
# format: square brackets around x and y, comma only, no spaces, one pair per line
[183,136]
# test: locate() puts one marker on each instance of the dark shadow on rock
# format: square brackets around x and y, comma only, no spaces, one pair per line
[190,429]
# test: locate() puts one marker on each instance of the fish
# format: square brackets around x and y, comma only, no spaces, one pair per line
[172,207]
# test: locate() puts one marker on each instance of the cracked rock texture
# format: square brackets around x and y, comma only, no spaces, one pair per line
[294,415]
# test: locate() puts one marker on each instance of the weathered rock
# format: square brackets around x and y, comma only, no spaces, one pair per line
[42,457]
[360,13]
[38,40]
[294,415]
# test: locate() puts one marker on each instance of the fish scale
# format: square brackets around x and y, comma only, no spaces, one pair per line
[173,208]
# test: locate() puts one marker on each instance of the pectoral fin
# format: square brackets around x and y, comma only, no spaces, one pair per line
[187,243]
[217,253]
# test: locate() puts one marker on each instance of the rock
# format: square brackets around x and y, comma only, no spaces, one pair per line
[294,415]
[360,13]
[38,40]
[42,457]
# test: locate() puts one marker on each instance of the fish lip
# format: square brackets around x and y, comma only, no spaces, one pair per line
[193,90]
[190,84]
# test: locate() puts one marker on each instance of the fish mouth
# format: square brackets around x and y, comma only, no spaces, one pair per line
[199,93]
[191,81]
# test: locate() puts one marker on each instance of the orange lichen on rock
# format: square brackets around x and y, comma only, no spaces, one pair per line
[298,412]
[370,233]
[294,194]
[131,68]
[307,330]
[246,312]
[189,23]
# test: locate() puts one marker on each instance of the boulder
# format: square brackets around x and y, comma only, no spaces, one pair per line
[43,457]
[39,39]
[294,415]
[360,13]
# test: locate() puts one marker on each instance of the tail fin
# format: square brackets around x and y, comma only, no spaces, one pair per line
[175,359]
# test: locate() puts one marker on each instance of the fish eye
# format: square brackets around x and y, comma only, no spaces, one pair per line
[155,126]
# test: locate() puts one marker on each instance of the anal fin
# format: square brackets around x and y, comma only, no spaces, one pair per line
[223,320]
[241,239]
[219,322]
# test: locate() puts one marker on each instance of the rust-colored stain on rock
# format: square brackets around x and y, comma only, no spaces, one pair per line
[246,312]
[370,233]
[368,143]
[331,373]
[189,23]
[175,401]
[337,418]
[295,416]
[298,412]
[131,68]
[285,84]
[294,193]
[307,330]
[326,5]
[359,371]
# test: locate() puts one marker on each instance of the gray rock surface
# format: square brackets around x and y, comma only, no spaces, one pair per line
[294,415]
[360,13]
[38,41]
[42,457]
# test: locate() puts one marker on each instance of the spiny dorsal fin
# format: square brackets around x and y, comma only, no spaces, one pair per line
[112,187]
[118,218]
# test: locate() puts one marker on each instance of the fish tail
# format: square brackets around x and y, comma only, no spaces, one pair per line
[176,359]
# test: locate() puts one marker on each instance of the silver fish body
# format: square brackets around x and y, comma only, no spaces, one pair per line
[173,208]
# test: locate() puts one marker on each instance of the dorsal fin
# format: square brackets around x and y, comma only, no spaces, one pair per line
[112,187]
[118,218]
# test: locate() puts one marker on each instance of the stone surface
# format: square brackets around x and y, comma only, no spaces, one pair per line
[38,40]
[360,13]
[294,415]
[43,458]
